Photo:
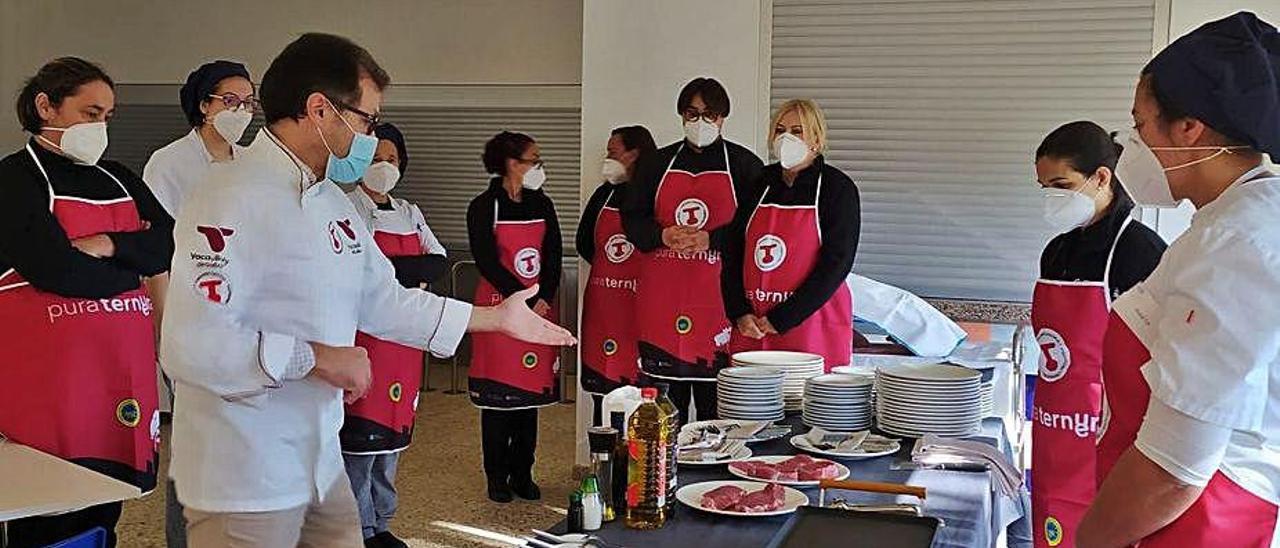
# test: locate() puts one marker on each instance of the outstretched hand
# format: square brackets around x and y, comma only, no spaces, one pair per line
[516,319]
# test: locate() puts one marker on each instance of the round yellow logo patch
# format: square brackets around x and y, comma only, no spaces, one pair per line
[395,392]
[610,347]
[684,325]
[1053,531]
[530,360]
[128,412]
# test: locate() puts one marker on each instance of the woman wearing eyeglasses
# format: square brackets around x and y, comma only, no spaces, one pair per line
[218,102]
[515,239]
[681,211]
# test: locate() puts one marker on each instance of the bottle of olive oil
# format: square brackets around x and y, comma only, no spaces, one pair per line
[648,437]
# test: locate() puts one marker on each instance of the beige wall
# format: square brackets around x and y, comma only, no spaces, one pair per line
[417,41]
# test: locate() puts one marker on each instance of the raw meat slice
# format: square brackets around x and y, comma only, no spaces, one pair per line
[794,464]
[765,500]
[819,470]
[722,498]
[756,469]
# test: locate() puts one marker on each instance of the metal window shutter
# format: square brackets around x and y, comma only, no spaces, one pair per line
[445,171]
[935,109]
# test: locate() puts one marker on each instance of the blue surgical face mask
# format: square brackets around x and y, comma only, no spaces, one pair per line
[351,168]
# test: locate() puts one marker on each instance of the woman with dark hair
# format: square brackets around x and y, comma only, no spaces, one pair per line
[78,347]
[219,103]
[1099,253]
[683,207]
[608,305]
[515,239]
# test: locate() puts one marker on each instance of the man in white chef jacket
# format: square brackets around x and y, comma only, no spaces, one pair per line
[273,274]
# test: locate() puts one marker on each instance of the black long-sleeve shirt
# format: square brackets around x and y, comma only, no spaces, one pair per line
[33,242]
[1080,255]
[413,271]
[606,194]
[644,231]
[840,219]
[533,204]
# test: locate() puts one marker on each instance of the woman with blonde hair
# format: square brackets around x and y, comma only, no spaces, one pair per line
[784,272]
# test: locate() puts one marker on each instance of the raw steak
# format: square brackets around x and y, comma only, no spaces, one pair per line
[765,500]
[819,470]
[723,498]
[794,464]
[760,470]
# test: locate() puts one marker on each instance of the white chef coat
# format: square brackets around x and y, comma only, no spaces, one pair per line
[175,169]
[295,264]
[402,218]
[1209,316]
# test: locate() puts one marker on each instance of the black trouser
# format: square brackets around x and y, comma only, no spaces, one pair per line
[509,439]
[42,531]
[701,392]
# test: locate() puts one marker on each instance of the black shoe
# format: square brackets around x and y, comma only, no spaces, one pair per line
[374,542]
[385,540]
[499,492]
[527,490]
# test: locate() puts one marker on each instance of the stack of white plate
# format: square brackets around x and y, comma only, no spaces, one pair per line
[750,393]
[987,399]
[913,400]
[838,403]
[798,367]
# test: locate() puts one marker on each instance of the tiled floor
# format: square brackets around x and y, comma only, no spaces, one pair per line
[440,482]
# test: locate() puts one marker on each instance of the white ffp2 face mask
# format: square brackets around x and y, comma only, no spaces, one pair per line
[381,177]
[83,143]
[701,133]
[534,178]
[613,171]
[230,124]
[790,150]
[1145,179]
[1066,210]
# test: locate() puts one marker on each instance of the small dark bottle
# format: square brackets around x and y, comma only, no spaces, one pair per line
[618,420]
[575,523]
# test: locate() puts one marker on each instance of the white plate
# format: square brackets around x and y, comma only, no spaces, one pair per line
[912,433]
[775,357]
[752,373]
[691,496]
[775,459]
[890,383]
[930,372]
[840,382]
[802,443]
[741,454]
[748,417]
[939,422]
[928,426]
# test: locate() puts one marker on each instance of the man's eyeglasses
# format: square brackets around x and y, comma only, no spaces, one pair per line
[691,114]
[371,119]
[235,102]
